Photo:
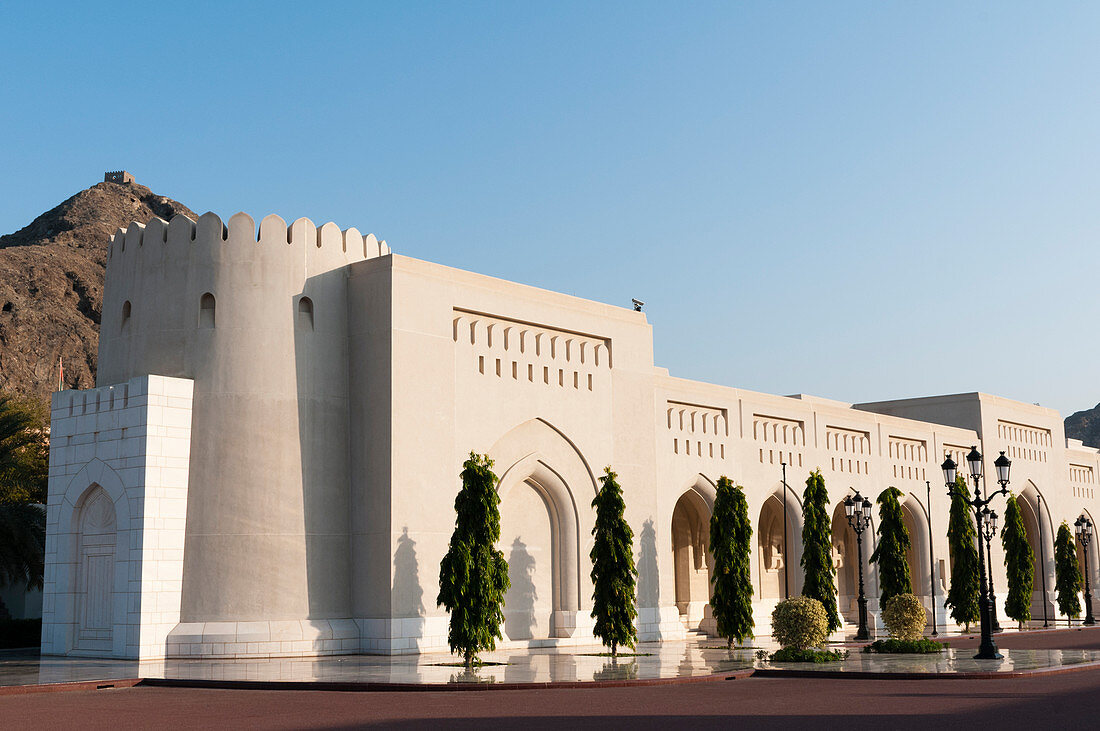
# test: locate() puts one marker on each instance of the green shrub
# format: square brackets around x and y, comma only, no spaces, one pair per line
[904,617]
[800,622]
[793,654]
[922,646]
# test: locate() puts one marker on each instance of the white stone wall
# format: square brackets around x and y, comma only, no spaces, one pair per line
[133,442]
[328,452]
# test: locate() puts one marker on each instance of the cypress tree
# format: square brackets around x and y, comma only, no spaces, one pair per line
[1067,572]
[473,576]
[730,545]
[817,542]
[613,572]
[893,542]
[962,596]
[1019,563]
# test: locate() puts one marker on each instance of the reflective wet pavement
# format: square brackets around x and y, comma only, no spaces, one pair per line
[669,660]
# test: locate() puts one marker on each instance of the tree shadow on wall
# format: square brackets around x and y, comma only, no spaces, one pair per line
[408,596]
[649,587]
[519,602]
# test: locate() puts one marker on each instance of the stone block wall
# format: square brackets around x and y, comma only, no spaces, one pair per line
[116,514]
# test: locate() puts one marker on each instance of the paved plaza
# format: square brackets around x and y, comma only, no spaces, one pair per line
[1024,653]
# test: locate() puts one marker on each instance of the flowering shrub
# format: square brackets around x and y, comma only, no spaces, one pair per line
[904,617]
[800,622]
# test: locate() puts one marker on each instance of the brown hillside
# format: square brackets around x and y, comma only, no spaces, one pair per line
[51,285]
[1085,425]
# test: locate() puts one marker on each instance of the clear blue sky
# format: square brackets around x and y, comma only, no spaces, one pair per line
[855,200]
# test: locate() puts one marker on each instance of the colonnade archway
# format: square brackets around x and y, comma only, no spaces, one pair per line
[1041,540]
[918,577]
[846,562]
[774,566]
[691,557]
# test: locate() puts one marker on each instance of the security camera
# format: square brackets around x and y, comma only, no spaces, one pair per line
[637,305]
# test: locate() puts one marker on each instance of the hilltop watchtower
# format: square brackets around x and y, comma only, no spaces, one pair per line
[117,176]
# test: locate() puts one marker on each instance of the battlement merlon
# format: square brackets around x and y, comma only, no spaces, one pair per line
[242,229]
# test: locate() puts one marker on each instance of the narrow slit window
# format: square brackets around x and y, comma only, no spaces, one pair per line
[126,313]
[206,310]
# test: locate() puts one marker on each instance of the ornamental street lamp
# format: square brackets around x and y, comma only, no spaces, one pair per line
[931,557]
[988,648]
[1084,534]
[858,511]
[990,531]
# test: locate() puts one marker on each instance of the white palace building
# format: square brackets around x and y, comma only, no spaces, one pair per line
[269,462]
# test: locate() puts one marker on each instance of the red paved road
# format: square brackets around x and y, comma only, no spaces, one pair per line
[1060,701]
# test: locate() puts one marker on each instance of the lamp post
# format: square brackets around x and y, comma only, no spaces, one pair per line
[786,553]
[858,511]
[988,648]
[1042,557]
[990,531]
[931,557]
[1084,534]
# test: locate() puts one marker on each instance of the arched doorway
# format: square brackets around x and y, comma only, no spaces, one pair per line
[846,561]
[95,577]
[1042,547]
[912,557]
[691,557]
[540,471]
[777,559]
[527,540]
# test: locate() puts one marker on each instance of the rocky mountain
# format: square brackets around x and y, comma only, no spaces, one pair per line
[1085,425]
[51,285]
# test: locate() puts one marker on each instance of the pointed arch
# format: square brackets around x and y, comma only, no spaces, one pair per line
[777,569]
[1039,526]
[83,510]
[691,558]
[536,456]
[916,520]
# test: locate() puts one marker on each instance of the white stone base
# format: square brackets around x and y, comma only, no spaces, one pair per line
[281,638]
[413,635]
[407,636]
[660,624]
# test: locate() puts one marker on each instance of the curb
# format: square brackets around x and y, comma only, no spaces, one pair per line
[433,687]
[865,675]
[65,687]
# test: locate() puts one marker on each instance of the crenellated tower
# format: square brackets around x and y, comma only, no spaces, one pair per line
[259,321]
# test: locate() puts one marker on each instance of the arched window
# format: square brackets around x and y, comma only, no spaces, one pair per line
[206,310]
[125,313]
[305,314]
